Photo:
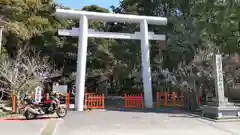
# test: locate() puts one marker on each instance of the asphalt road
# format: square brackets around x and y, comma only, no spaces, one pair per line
[22,127]
[142,123]
[165,122]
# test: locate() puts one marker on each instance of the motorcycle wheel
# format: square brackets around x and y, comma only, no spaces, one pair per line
[30,116]
[61,112]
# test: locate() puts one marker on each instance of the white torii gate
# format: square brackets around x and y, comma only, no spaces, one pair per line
[83,33]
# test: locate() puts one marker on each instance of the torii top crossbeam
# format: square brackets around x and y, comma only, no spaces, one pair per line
[75,14]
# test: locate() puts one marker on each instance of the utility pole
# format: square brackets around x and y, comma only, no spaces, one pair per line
[1,31]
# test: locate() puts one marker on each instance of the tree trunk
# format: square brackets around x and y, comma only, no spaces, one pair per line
[17,102]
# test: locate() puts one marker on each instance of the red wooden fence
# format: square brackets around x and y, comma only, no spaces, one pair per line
[96,101]
[133,101]
[169,99]
[93,101]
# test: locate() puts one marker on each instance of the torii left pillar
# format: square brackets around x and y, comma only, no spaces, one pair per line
[81,63]
[146,67]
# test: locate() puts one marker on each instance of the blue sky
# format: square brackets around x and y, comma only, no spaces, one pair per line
[77,4]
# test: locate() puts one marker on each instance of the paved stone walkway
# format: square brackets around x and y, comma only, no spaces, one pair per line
[138,123]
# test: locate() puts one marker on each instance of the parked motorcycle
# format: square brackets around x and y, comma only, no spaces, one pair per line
[32,109]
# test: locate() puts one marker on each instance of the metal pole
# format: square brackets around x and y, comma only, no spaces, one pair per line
[1,30]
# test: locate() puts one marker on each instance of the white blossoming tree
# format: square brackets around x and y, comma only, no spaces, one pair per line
[24,73]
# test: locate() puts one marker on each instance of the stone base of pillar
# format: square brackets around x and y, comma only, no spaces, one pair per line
[227,111]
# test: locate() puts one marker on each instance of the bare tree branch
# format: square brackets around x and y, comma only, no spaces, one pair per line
[22,74]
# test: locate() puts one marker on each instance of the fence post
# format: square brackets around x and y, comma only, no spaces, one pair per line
[68,100]
[166,99]
[13,103]
[125,100]
[103,104]
[199,100]
[157,100]
[85,101]
[90,100]
[182,99]
[142,104]
[174,99]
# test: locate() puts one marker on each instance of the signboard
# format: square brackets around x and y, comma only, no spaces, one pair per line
[60,88]
[219,72]
[38,94]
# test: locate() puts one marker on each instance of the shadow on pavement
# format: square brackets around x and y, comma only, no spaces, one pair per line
[145,110]
[154,110]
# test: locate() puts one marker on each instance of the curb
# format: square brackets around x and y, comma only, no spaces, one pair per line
[213,120]
[12,117]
